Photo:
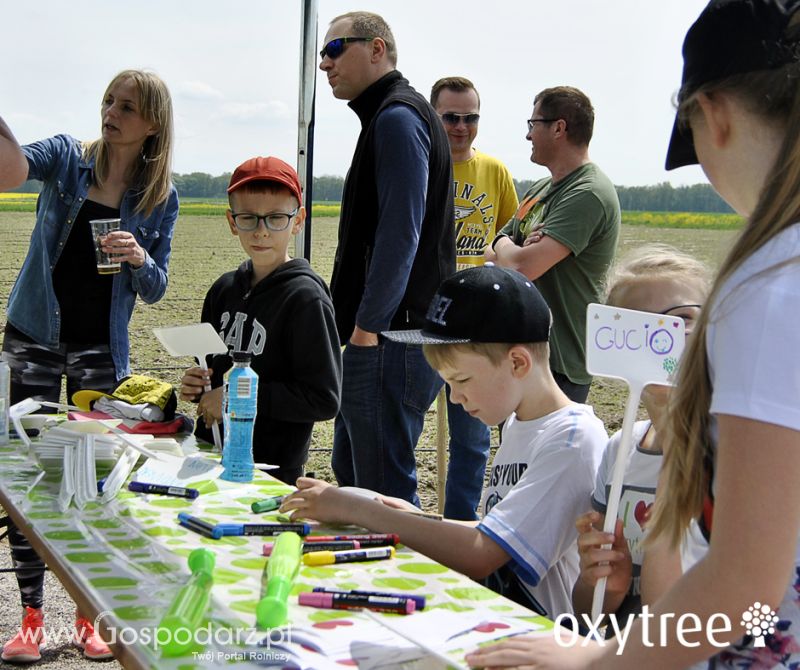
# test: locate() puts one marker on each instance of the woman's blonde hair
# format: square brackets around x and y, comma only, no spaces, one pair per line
[774,96]
[153,174]
[654,261]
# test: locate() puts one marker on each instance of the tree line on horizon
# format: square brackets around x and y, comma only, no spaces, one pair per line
[663,197]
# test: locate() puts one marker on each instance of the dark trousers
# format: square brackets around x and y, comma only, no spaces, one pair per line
[36,373]
[573,391]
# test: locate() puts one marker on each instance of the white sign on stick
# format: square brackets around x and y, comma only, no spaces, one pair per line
[641,348]
[635,346]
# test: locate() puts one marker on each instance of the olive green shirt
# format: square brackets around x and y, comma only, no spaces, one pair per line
[582,212]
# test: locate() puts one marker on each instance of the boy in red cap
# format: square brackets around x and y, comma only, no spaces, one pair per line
[278,310]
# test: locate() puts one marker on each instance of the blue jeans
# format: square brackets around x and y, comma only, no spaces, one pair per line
[469,451]
[386,391]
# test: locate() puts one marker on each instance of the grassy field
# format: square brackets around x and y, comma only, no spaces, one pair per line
[204,248]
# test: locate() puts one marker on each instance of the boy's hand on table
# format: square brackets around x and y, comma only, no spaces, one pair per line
[315,499]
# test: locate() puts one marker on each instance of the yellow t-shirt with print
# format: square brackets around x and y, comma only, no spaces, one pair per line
[485,200]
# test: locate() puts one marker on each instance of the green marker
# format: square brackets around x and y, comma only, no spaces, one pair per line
[278,577]
[267,505]
[190,604]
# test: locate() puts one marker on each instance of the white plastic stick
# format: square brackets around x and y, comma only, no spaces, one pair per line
[215,425]
[132,443]
[612,504]
[59,405]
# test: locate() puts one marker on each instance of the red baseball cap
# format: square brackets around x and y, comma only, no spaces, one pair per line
[267,169]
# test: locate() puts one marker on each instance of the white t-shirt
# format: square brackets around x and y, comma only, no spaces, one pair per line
[638,491]
[541,480]
[753,343]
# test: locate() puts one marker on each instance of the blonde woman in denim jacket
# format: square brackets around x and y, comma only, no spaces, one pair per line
[65,319]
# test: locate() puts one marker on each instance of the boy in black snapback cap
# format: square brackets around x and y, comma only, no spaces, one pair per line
[486,334]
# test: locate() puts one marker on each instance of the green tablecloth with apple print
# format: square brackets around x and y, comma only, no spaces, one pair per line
[127,559]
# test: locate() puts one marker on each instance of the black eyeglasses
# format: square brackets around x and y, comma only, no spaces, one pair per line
[691,310]
[276,221]
[335,48]
[452,119]
[532,121]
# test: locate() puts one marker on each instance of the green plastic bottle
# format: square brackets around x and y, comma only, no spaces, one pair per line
[278,578]
[189,606]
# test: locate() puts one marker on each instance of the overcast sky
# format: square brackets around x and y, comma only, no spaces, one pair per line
[233,71]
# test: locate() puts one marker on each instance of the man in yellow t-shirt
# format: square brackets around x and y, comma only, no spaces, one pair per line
[485,199]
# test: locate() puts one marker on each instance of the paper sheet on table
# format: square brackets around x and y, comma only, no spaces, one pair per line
[384,642]
[174,471]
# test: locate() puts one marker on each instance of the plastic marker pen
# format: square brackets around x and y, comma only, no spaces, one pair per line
[160,489]
[267,505]
[419,601]
[262,528]
[199,526]
[308,547]
[330,557]
[352,601]
[373,540]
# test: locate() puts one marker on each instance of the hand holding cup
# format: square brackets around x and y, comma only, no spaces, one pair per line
[114,246]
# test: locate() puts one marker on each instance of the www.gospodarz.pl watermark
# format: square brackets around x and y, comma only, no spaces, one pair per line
[758,620]
[158,637]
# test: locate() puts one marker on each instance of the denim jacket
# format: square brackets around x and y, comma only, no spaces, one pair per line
[32,305]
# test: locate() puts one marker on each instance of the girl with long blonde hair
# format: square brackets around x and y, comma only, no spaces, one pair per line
[739,384]
[64,318]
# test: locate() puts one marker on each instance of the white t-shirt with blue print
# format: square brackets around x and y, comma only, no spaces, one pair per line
[541,480]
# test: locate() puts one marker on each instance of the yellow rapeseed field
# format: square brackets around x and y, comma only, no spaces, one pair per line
[702,220]
[26,202]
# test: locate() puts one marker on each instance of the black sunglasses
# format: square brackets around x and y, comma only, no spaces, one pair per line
[335,48]
[452,119]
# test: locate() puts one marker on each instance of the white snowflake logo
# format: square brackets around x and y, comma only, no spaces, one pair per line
[758,620]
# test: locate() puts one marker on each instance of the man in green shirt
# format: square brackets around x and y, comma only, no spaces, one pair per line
[564,232]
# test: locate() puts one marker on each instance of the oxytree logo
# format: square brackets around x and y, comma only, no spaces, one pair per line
[758,620]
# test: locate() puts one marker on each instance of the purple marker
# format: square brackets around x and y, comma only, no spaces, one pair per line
[419,601]
[352,601]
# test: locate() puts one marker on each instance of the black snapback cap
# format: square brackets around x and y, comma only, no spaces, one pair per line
[483,304]
[730,37]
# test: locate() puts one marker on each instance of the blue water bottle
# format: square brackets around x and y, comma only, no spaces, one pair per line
[241,399]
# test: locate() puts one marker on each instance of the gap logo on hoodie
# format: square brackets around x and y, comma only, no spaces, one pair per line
[234,336]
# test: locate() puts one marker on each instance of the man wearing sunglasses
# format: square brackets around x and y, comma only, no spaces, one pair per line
[485,199]
[396,245]
[564,233]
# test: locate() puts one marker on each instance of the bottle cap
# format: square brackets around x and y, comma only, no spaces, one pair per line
[241,357]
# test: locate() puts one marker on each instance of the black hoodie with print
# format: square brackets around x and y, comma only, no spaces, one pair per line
[286,324]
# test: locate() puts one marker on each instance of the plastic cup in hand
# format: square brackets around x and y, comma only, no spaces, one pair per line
[106,263]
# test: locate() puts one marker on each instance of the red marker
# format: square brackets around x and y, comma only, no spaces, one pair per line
[372,540]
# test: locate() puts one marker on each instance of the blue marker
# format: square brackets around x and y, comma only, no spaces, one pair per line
[199,526]
[262,528]
[160,489]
